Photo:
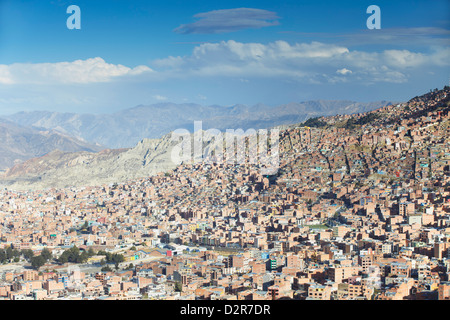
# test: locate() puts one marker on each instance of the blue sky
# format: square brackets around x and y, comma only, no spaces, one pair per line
[217,52]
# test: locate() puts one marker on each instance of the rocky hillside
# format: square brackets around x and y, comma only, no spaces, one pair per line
[59,169]
[64,169]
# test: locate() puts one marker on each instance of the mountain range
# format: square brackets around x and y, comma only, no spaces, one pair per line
[63,148]
[19,143]
[125,128]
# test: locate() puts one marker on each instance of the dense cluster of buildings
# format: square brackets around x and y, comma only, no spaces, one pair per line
[360,213]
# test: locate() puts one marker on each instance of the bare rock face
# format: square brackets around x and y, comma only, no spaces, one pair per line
[59,169]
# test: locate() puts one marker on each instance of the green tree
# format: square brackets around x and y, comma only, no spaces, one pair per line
[178,286]
[118,258]
[63,258]
[72,255]
[9,253]
[91,252]
[85,226]
[37,262]
[16,253]
[106,269]
[3,258]
[74,252]
[27,254]
[83,257]
[46,254]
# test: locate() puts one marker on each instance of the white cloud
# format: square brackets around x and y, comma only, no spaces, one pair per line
[5,75]
[232,58]
[419,36]
[57,84]
[159,97]
[344,71]
[92,70]
[313,62]
[404,58]
[170,62]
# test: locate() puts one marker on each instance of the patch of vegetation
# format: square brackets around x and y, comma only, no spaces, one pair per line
[115,258]
[73,255]
[369,118]
[178,287]
[106,269]
[319,226]
[9,255]
[314,122]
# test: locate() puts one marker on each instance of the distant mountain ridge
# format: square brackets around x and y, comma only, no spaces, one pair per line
[125,128]
[18,143]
